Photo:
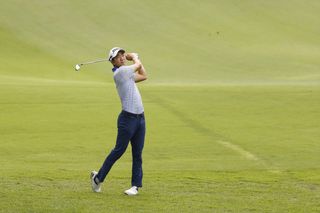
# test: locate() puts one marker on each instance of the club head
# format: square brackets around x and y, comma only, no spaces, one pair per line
[77,67]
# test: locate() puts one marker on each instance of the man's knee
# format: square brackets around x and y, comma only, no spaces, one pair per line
[116,153]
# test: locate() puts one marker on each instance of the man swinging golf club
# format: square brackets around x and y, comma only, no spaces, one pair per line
[131,122]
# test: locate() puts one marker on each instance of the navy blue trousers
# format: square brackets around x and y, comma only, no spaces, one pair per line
[131,127]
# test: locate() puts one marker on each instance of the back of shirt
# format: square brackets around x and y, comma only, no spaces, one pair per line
[127,89]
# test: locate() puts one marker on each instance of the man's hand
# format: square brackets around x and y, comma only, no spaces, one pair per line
[140,74]
[131,56]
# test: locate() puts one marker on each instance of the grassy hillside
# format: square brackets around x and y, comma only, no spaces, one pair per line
[180,42]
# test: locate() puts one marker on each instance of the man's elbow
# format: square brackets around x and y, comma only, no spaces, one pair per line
[145,77]
[140,78]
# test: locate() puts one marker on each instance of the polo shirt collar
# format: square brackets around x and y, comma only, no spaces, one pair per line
[114,68]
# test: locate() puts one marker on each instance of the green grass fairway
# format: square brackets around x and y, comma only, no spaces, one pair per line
[208,148]
[231,103]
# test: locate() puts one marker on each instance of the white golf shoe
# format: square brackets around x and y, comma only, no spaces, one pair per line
[132,191]
[96,187]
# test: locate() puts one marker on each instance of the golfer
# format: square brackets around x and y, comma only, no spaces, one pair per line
[131,122]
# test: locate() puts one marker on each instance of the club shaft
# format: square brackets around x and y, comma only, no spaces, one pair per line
[92,62]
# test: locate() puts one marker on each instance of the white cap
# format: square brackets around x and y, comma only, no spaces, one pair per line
[114,52]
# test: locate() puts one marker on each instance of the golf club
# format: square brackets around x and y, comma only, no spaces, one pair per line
[78,66]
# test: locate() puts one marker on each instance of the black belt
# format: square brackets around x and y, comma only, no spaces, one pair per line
[132,114]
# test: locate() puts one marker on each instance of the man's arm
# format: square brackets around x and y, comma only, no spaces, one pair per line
[141,73]
[136,62]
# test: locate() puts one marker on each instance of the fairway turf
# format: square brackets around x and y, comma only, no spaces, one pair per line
[49,145]
[231,103]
